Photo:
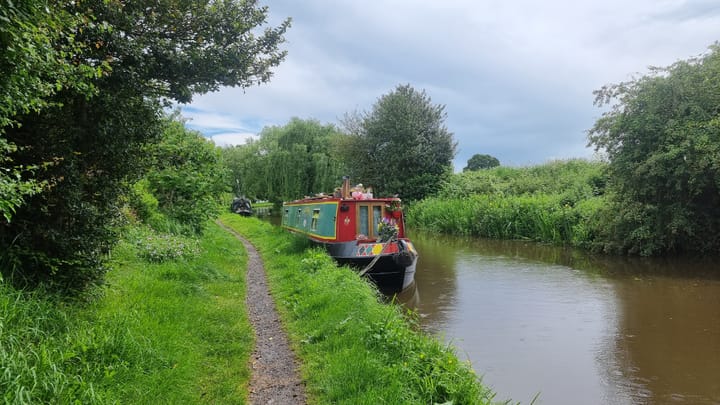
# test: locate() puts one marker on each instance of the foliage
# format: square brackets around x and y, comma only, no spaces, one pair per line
[62,234]
[478,161]
[85,138]
[33,42]
[161,247]
[335,318]
[402,146]
[287,162]
[661,137]
[144,205]
[387,230]
[13,189]
[558,202]
[539,217]
[176,331]
[574,179]
[186,176]
[36,38]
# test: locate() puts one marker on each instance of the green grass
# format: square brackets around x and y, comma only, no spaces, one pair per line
[168,328]
[354,349]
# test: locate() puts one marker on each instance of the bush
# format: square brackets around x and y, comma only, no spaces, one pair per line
[158,247]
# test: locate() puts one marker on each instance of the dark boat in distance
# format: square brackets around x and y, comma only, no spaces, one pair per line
[241,206]
[356,229]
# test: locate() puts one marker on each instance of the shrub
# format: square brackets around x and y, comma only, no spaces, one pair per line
[158,247]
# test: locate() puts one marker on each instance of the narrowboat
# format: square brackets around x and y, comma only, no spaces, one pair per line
[357,229]
[241,206]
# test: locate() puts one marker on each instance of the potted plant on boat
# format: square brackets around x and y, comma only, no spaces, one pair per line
[394,209]
[387,230]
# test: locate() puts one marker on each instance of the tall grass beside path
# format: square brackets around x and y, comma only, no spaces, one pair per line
[354,349]
[168,327]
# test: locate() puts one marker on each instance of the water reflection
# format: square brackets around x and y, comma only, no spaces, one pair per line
[573,327]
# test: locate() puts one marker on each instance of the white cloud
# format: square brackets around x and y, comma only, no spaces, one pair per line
[232,139]
[204,119]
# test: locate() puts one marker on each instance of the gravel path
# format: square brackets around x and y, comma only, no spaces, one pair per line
[275,377]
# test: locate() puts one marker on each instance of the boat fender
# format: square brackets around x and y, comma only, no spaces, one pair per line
[404,257]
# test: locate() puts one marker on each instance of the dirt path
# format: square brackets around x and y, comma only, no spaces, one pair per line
[275,377]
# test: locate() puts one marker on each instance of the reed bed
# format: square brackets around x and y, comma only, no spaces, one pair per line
[560,202]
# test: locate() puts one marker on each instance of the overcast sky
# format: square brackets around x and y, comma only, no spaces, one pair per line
[516,76]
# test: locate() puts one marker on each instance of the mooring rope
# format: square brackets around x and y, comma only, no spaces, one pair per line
[374,260]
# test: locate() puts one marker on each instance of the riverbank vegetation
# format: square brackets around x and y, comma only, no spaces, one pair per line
[662,140]
[169,323]
[353,348]
[558,202]
[657,192]
[84,87]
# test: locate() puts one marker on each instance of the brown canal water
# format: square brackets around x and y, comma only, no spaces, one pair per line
[573,328]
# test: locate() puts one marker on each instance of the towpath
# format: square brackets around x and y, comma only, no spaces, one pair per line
[275,376]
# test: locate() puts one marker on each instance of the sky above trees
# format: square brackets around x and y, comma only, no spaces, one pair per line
[516,77]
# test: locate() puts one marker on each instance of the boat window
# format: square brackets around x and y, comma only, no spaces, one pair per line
[369,216]
[363,213]
[377,217]
[315,217]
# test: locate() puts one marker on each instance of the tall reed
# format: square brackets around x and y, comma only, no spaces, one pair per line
[558,202]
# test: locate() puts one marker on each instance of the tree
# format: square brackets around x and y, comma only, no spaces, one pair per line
[288,162]
[662,139]
[33,41]
[88,139]
[478,161]
[186,176]
[402,146]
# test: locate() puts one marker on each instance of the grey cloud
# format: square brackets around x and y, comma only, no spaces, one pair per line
[516,77]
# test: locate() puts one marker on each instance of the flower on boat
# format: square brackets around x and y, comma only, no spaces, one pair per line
[393,206]
[394,209]
[387,230]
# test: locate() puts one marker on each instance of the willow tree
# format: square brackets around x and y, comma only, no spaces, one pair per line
[88,144]
[288,162]
[402,145]
[662,138]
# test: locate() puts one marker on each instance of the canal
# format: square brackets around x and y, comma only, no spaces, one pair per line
[572,328]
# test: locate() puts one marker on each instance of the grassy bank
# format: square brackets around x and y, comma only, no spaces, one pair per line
[559,202]
[168,327]
[353,348]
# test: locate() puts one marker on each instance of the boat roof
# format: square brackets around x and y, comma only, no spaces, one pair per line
[348,200]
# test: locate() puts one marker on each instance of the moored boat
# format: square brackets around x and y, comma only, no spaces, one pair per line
[357,229]
[241,206]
